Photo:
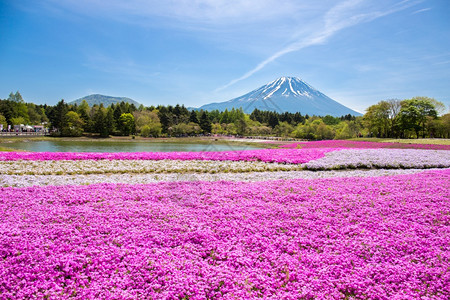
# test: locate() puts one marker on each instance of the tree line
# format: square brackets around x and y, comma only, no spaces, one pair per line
[410,118]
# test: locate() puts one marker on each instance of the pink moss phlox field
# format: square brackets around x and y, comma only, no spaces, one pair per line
[362,144]
[296,156]
[362,238]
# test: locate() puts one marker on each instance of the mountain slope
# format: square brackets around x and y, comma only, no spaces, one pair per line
[106,100]
[286,94]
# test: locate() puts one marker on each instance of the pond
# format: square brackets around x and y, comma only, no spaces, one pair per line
[123,146]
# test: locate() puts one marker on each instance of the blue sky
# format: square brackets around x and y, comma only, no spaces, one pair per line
[194,52]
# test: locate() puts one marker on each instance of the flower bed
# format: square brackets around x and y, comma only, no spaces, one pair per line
[102,229]
[344,158]
[381,158]
[363,145]
[295,156]
[384,237]
[128,178]
[104,166]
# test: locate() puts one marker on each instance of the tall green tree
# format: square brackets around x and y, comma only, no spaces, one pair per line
[414,112]
[109,123]
[17,97]
[205,123]
[381,119]
[100,121]
[377,119]
[18,121]
[20,108]
[283,129]
[117,113]
[36,114]
[165,115]
[225,117]
[126,124]
[443,128]
[72,124]
[193,117]
[241,125]
[84,111]
[273,120]
[145,118]
[3,121]
[57,113]
[6,109]
[151,130]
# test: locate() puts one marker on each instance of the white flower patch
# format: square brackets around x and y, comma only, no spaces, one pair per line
[381,158]
[72,167]
[42,180]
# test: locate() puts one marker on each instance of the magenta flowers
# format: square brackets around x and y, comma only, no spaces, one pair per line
[364,145]
[266,155]
[366,238]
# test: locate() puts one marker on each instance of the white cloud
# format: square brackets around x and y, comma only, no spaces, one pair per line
[308,23]
[442,62]
[343,15]
[421,10]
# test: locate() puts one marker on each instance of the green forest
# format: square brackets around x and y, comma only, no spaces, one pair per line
[418,117]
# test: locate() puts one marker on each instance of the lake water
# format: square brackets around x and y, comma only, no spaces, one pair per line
[122,146]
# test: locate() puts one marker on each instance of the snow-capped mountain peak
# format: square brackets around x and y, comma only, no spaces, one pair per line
[289,94]
[287,86]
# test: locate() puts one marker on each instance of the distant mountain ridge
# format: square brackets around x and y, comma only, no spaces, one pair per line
[106,100]
[285,94]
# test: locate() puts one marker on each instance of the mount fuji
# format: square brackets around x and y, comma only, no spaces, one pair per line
[285,94]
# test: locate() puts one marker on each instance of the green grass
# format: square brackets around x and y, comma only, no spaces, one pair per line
[5,149]
[406,141]
[8,139]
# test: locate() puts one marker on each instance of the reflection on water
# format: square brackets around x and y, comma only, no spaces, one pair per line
[100,146]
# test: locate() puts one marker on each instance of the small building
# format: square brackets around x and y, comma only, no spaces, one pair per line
[19,128]
[38,128]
